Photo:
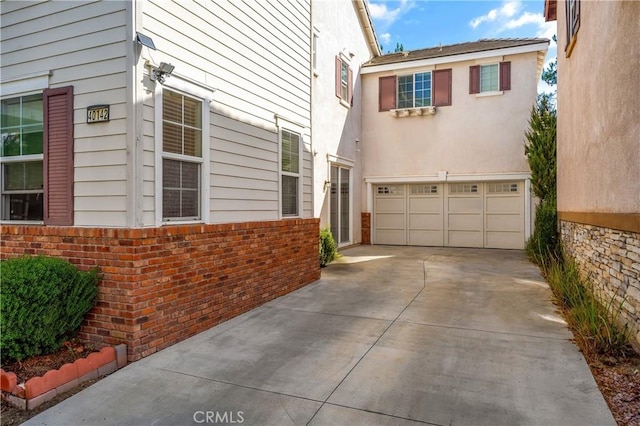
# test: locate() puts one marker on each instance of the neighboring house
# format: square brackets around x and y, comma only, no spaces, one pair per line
[443,144]
[191,190]
[599,145]
[343,39]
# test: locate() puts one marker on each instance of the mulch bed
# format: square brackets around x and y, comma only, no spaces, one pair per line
[38,365]
[619,382]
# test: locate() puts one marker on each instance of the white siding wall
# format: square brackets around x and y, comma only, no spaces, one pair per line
[83,45]
[257,57]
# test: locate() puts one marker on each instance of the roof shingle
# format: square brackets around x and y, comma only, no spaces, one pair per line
[453,49]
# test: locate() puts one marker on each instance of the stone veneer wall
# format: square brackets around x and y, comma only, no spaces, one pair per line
[162,285]
[611,259]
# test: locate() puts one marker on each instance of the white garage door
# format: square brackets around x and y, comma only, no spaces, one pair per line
[475,214]
[504,215]
[390,215]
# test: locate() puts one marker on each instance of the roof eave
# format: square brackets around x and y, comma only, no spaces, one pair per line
[367,26]
[503,51]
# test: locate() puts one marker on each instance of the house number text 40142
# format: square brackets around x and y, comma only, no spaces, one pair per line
[97,113]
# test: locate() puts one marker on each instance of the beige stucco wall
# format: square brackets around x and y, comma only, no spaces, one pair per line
[336,127]
[475,135]
[599,110]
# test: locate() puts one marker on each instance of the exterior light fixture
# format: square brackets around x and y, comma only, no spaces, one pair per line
[163,71]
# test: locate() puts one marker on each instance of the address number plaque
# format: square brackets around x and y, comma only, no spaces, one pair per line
[97,113]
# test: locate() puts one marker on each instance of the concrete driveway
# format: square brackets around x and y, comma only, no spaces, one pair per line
[389,336]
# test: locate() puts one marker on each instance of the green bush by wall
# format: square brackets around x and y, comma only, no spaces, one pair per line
[43,301]
[328,247]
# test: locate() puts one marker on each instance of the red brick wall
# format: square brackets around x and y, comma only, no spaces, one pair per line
[162,285]
[366,228]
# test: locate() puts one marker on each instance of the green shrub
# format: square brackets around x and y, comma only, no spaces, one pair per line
[595,324]
[543,244]
[328,247]
[43,301]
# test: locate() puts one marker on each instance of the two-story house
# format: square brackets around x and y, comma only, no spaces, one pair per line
[599,146]
[442,144]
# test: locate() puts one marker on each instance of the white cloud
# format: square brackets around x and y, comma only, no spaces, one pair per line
[385,38]
[385,17]
[525,19]
[510,17]
[508,9]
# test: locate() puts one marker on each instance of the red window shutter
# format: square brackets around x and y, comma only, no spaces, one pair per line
[505,75]
[338,77]
[386,93]
[350,87]
[442,87]
[58,156]
[474,79]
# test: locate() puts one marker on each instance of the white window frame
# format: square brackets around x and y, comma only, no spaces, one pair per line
[189,89]
[283,123]
[497,89]
[413,90]
[282,173]
[24,158]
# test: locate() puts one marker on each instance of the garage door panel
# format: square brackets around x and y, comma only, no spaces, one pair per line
[390,221]
[465,204]
[465,238]
[425,221]
[504,222]
[392,237]
[470,221]
[504,204]
[395,205]
[505,240]
[425,205]
[426,238]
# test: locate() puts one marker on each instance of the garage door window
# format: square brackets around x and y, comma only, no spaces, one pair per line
[497,188]
[424,189]
[461,188]
[390,190]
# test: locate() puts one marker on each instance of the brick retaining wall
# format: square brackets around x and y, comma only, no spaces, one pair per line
[162,285]
[611,259]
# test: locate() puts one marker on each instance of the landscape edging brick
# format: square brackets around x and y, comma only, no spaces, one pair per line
[39,390]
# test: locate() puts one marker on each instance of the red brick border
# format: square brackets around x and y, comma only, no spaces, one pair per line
[39,390]
[162,285]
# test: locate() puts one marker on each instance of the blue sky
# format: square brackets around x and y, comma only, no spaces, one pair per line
[427,23]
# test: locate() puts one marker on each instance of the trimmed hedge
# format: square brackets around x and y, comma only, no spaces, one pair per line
[43,302]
